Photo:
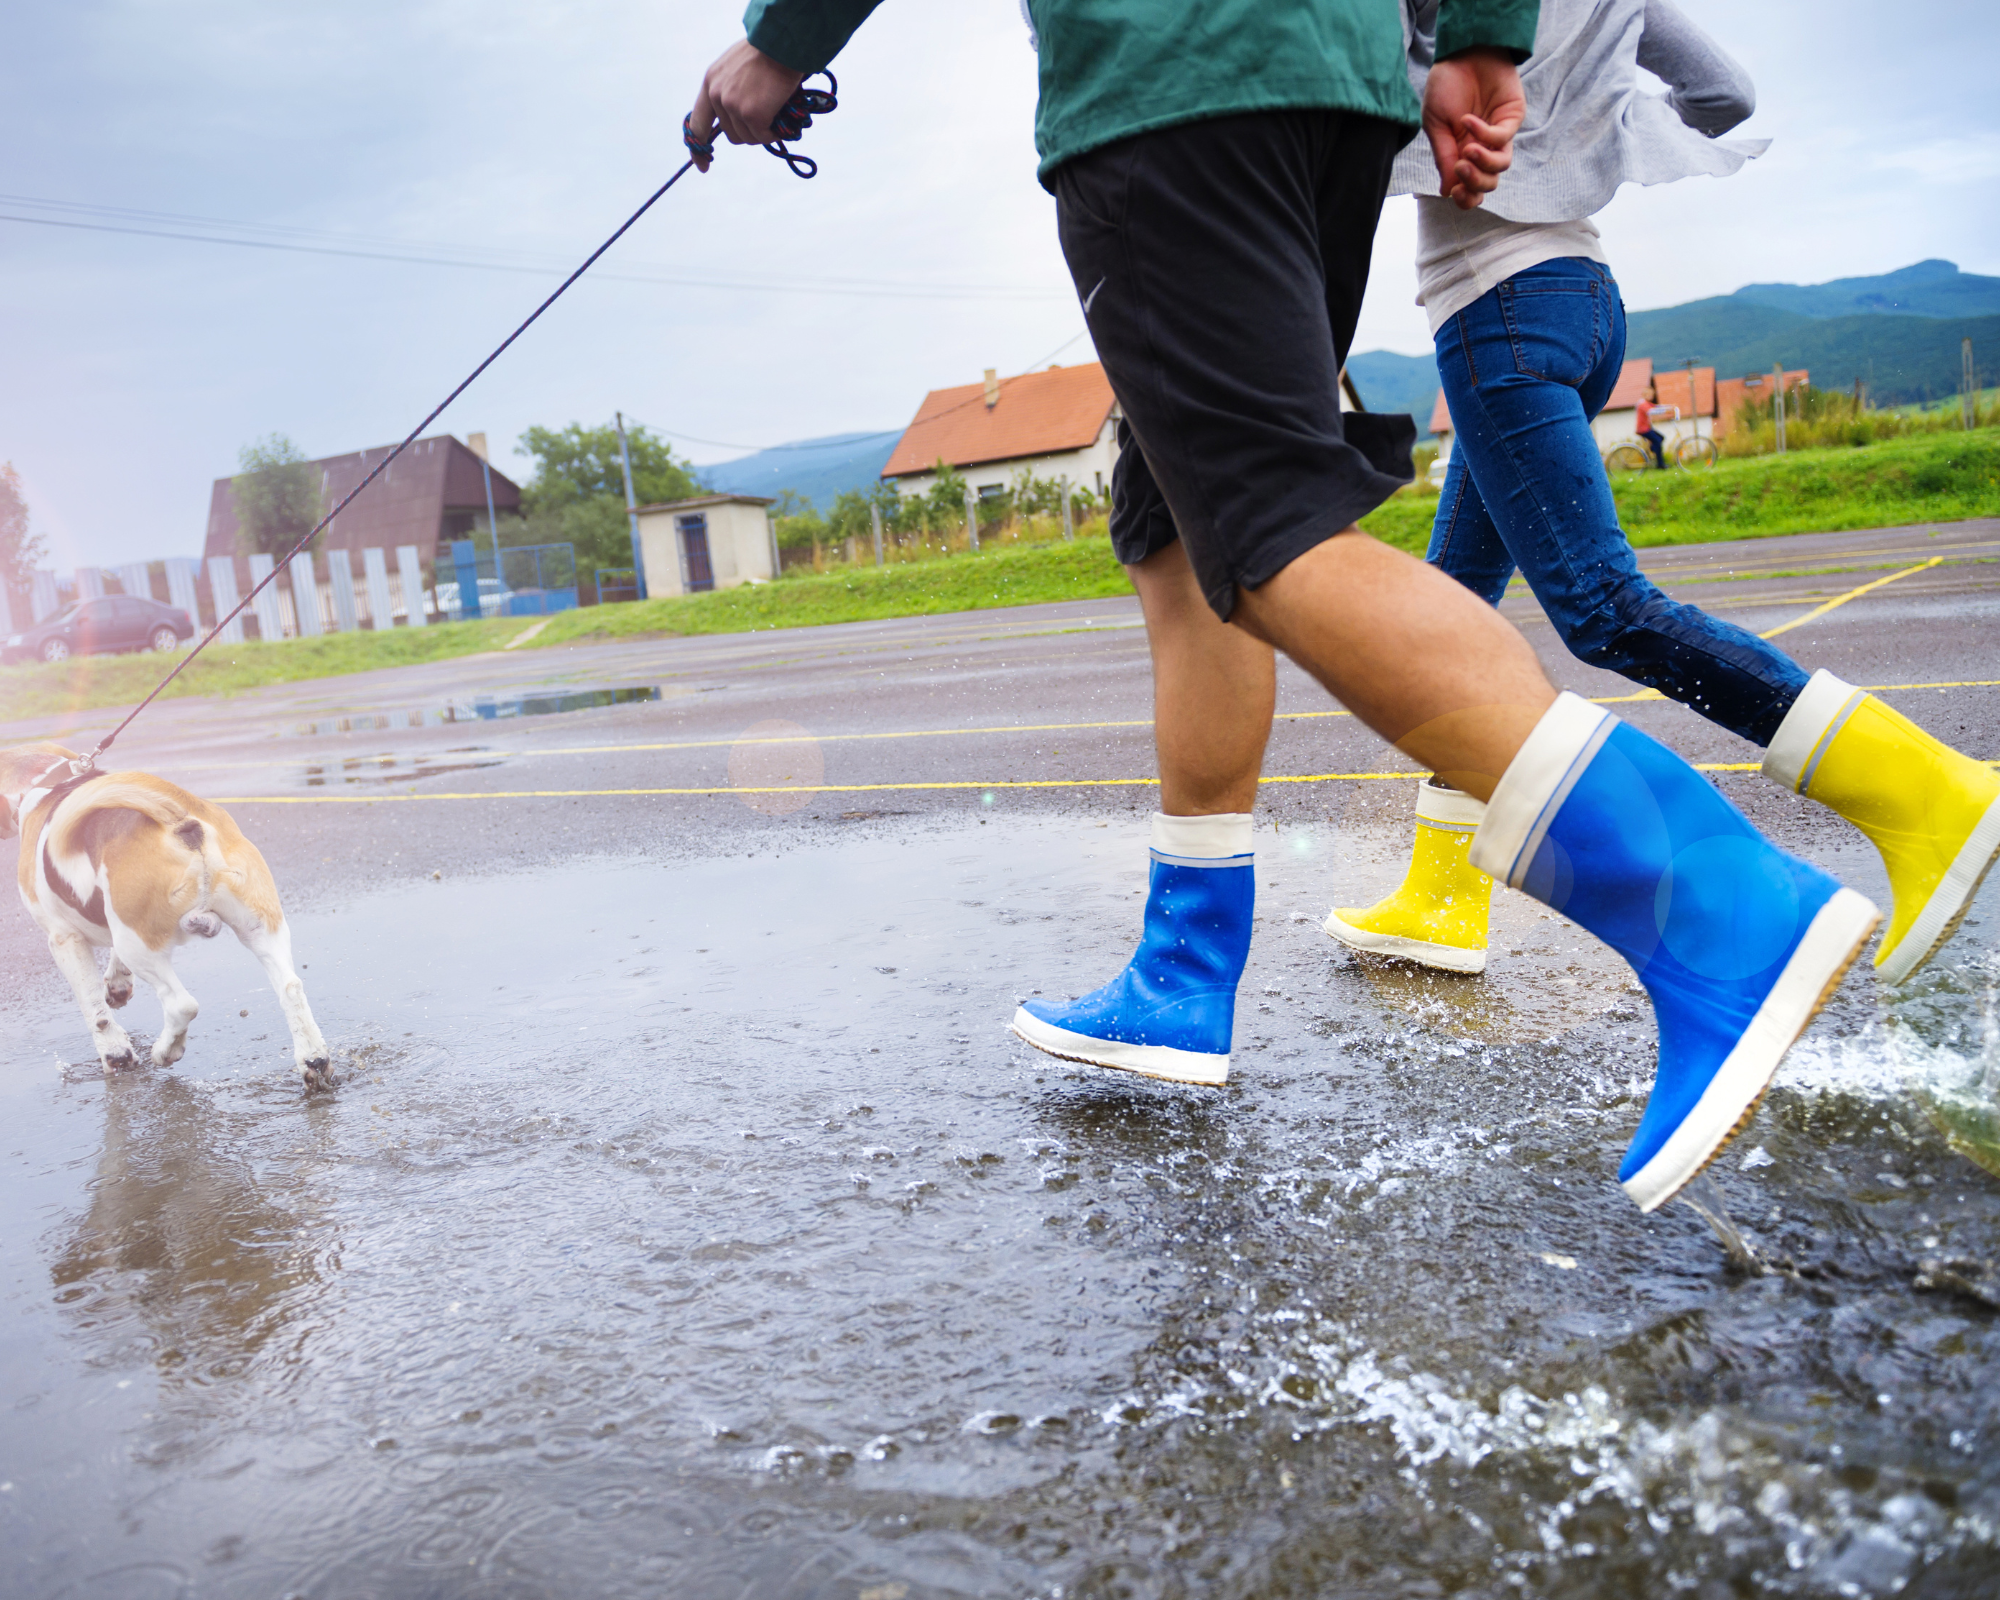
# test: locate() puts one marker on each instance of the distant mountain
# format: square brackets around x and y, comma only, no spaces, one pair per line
[1900,332]
[1928,289]
[817,469]
[1389,382]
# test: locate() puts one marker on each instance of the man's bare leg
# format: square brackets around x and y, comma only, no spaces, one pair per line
[1412,653]
[1214,690]
[1170,1013]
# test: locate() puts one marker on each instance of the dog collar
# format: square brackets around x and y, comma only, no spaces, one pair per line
[38,794]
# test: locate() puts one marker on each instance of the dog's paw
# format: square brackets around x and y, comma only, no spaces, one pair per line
[318,1075]
[201,924]
[165,1054]
[116,994]
[120,1061]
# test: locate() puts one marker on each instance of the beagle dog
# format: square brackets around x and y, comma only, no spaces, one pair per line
[128,861]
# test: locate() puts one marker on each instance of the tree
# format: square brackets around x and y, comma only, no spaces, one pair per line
[848,518]
[19,549]
[943,507]
[797,520]
[579,463]
[577,495]
[277,495]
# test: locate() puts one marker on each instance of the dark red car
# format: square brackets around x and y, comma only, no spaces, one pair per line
[99,627]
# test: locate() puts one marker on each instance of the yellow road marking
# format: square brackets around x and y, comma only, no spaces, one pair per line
[843,788]
[1039,727]
[930,733]
[1852,594]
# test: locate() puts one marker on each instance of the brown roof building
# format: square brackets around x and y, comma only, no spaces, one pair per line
[1058,423]
[431,493]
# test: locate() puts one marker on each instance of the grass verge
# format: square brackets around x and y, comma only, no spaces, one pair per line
[1937,477]
[1930,478]
[225,669]
[1022,576]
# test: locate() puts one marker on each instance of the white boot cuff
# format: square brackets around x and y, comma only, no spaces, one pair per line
[1448,808]
[1536,783]
[1219,840]
[1809,727]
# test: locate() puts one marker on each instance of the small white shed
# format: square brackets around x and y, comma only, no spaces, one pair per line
[714,541]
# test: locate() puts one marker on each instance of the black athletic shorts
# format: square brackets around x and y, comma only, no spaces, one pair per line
[1221,266]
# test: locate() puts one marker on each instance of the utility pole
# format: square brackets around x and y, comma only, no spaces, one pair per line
[476,443]
[972,519]
[1778,402]
[1968,382]
[1069,511]
[875,526]
[632,509]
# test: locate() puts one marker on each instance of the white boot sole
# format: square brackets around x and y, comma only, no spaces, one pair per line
[1939,919]
[1445,957]
[1148,1060]
[1839,930]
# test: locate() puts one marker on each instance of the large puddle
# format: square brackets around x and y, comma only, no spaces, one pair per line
[696,1230]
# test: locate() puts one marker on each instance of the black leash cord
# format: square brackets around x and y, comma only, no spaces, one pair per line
[793,118]
[408,439]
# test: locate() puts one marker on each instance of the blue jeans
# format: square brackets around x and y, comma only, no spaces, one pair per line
[1525,367]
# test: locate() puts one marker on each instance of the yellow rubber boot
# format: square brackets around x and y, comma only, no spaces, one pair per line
[1438,915]
[1933,813]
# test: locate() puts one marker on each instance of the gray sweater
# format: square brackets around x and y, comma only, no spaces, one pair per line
[1589,126]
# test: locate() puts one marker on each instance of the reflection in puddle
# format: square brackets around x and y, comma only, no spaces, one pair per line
[481,708]
[183,1258]
[697,1229]
[486,708]
[395,769]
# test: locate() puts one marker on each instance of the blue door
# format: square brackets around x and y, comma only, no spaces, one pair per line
[695,565]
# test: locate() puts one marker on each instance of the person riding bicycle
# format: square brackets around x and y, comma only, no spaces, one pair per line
[1642,425]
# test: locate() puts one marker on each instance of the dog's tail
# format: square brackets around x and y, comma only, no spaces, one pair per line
[86,831]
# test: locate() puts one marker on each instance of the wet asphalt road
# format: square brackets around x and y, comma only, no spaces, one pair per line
[686,1224]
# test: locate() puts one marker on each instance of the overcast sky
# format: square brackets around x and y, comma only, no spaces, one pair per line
[136,367]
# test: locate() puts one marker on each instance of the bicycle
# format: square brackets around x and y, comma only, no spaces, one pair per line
[1632,455]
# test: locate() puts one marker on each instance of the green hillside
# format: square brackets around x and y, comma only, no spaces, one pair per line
[1927,289]
[1704,329]
[1387,381]
[1903,359]
[1898,330]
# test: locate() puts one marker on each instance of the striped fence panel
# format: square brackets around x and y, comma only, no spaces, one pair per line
[222,587]
[341,571]
[410,568]
[305,596]
[381,609]
[270,618]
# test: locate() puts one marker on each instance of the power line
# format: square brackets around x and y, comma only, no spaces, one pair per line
[374,247]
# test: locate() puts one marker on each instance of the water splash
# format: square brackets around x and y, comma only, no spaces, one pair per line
[1957,1079]
[1703,1198]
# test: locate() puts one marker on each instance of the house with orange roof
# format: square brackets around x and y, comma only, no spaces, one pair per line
[1058,423]
[1690,401]
[1732,394]
[1608,427]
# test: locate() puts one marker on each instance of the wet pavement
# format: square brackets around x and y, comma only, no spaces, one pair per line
[685,1222]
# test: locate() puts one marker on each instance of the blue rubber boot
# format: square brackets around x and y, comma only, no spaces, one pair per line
[1737,943]
[1171,1012]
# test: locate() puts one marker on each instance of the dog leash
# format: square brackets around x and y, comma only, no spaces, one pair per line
[793,118]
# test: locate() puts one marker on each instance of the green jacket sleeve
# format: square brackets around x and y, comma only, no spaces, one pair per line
[1502,24]
[806,34]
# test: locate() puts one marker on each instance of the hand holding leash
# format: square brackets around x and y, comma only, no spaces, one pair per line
[750,99]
